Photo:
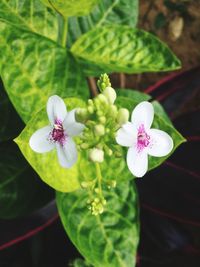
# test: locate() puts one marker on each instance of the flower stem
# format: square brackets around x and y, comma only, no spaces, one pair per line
[64,32]
[99,177]
[122,78]
[92,86]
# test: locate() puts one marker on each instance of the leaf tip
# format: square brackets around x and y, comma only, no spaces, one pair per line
[16,140]
[177,64]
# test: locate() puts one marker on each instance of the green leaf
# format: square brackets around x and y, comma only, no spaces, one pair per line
[107,12]
[161,121]
[11,124]
[133,94]
[88,172]
[33,68]
[21,191]
[160,110]
[46,165]
[124,49]
[80,263]
[110,239]
[69,8]
[30,15]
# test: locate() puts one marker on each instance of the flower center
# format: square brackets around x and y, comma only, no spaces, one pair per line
[142,138]
[58,134]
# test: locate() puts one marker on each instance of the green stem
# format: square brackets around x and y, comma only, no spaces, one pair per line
[64,32]
[99,177]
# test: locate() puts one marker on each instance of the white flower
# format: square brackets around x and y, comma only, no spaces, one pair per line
[59,133]
[141,140]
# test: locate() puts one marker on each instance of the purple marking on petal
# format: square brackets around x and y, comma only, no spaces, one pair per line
[143,139]
[58,134]
[58,121]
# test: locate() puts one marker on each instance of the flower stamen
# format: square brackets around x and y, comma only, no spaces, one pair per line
[58,133]
[142,138]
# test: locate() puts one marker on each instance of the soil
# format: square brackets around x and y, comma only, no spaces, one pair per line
[177,23]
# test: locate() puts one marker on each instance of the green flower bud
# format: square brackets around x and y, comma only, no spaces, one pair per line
[96,190]
[84,146]
[102,119]
[86,184]
[90,102]
[118,154]
[96,155]
[90,109]
[89,201]
[100,209]
[96,200]
[103,82]
[113,183]
[107,150]
[99,130]
[99,113]
[113,111]
[123,115]
[110,94]
[97,205]
[97,102]
[81,114]
[104,201]
[102,98]
[97,208]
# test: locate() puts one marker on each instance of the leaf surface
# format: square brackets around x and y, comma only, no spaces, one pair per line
[30,15]
[124,49]
[137,96]
[69,8]
[33,68]
[107,12]
[110,239]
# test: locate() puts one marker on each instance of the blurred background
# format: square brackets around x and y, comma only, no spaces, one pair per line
[169,196]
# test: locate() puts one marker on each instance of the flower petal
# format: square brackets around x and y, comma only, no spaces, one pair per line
[137,162]
[39,140]
[56,109]
[143,114]
[72,128]
[130,128]
[67,154]
[126,136]
[161,143]
[70,118]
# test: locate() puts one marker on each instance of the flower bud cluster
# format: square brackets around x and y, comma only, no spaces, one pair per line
[102,119]
[97,205]
[103,82]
